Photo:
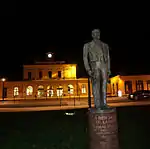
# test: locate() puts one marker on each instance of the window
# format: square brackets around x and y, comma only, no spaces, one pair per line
[40,75]
[29,75]
[59,74]
[16,91]
[50,91]
[59,91]
[29,90]
[83,88]
[70,89]
[50,74]
[40,91]
[139,85]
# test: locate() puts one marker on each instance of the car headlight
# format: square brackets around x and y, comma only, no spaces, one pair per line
[131,96]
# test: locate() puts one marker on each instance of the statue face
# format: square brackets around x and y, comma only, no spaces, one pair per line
[96,34]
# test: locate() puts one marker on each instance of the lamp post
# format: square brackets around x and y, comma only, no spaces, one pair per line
[89,93]
[3,80]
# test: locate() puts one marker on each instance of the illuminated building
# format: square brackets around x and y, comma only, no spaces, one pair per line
[49,79]
[124,85]
[53,79]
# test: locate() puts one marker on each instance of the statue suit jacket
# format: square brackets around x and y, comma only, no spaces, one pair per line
[89,55]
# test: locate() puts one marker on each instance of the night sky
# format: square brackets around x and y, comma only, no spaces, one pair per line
[7,8]
[24,40]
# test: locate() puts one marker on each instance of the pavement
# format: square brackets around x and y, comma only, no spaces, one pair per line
[52,102]
[77,98]
[43,105]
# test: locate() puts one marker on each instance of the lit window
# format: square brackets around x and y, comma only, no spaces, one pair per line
[50,91]
[83,88]
[40,91]
[29,90]
[16,91]
[59,91]
[70,89]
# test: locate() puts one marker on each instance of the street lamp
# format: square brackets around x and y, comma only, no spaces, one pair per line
[3,80]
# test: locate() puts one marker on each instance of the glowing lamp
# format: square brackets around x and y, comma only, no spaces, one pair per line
[71,114]
[119,93]
[131,96]
[3,79]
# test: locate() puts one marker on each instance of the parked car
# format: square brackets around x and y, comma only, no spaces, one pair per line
[142,94]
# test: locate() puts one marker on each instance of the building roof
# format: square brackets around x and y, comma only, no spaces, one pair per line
[50,63]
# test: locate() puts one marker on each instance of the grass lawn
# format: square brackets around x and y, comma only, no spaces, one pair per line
[54,130]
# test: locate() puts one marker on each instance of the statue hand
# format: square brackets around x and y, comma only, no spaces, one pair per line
[109,73]
[92,74]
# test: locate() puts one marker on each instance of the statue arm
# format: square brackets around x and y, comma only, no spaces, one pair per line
[85,58]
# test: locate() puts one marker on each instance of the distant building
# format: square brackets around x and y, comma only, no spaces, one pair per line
[53,79]
[46,80]
[129,84]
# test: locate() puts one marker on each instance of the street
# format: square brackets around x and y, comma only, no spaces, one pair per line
[60,104]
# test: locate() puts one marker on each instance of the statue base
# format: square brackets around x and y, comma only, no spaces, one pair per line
[103,129]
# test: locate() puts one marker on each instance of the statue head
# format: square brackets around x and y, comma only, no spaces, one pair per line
[96,34]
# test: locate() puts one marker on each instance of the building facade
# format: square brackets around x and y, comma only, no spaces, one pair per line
[54,79]
[129,84]
[49,79]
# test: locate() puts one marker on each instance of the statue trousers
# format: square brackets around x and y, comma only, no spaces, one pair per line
[99,86]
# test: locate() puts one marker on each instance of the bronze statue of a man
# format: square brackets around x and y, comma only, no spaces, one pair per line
[97,64]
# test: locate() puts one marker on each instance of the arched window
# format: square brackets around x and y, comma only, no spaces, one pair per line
[70,89]
[16,91]
[59,91]
[50,91]
[29,90]
[83,88]
[40,91]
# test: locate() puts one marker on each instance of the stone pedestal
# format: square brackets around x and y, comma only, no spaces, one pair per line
[103,129]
